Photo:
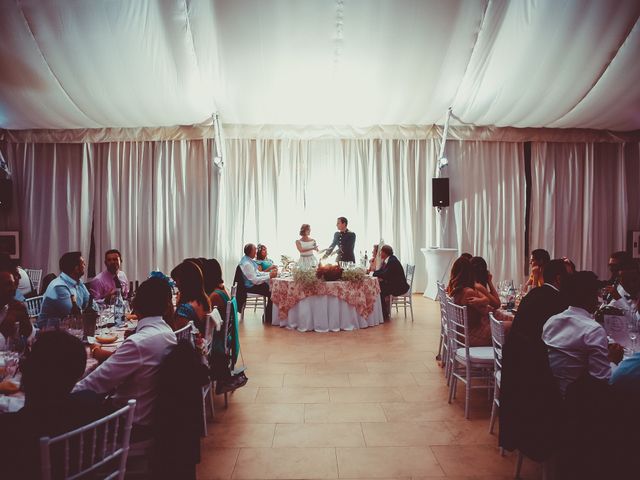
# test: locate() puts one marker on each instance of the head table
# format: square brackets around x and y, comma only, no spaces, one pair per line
[326,306]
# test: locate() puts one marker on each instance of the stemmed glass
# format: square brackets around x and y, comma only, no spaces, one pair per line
[633,330]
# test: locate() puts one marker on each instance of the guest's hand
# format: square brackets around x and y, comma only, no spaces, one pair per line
[611,290]
[616,352]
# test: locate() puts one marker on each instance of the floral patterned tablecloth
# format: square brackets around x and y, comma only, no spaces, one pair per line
[286,293]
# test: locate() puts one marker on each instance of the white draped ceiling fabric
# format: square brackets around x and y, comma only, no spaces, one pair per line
[329,108]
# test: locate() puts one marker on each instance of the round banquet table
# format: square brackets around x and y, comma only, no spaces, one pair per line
[324,310]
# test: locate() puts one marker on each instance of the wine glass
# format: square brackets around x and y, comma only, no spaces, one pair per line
[633,330]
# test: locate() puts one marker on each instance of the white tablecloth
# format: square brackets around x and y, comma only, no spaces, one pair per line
[323,313]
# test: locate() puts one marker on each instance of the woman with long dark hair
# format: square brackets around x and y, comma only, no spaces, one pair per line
[462,289]
[484,281]
[192,303]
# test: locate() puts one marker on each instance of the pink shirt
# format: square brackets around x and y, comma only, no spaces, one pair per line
[103,284]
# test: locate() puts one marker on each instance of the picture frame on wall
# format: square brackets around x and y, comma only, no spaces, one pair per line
[10,243]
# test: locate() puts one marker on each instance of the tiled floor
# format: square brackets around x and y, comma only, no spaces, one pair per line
[365,404]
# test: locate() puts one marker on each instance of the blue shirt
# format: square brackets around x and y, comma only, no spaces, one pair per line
[56,302]
[627,375]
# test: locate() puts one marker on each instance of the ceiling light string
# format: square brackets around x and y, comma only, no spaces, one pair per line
[442,160]
[218,159]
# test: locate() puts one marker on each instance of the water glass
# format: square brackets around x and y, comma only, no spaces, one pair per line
[73,325]
[633,330]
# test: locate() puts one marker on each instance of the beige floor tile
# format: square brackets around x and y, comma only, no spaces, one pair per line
[264,413]
[289,463]
[246,394]
[217,463]
[239,435]
[475,460]
[429,379]
[327,368]
[396,367]
[295,357]
[418,411]
[381,379]
[343,412]
[364,395]
[318,435]
[387,462]
[317,380]
[424,393]
[406,434]
[293,395]
[266,367]
[266,379]
[471,432]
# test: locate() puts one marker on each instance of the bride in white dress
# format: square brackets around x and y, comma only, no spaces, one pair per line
[306,246]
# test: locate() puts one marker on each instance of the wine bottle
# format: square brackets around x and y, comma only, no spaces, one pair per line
[90,318]
[75,309]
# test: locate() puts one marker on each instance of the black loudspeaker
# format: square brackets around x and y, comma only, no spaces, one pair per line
[440,192]
[6,194]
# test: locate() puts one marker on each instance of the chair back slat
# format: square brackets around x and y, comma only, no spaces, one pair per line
[35,276]
[33,305]
[458,326]
[186,333]
[497,339]
[115,444]
[410,270]
[234,289]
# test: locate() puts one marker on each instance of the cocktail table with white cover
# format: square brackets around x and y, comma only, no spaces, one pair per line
[328,306]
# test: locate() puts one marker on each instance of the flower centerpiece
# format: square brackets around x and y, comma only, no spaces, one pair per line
[288,263]
[355,275]
[306,278]
[329,273]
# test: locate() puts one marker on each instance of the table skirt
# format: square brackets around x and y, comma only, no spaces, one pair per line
[324,313]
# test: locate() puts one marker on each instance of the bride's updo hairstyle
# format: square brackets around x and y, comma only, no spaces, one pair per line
[304,228]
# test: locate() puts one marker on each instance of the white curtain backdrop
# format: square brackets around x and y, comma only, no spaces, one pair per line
[154,201]
[579,202]
[271,187]
[54,198]
[487,216]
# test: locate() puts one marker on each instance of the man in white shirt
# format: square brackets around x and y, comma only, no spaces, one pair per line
[256,281]
[133,368]
[577,344]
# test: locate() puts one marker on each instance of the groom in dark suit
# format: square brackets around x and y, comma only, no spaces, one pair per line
[344,240]
[392,278]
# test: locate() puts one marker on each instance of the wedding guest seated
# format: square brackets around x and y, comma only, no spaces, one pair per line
[616,261]
[625,294]
[373,260]
[25,286]
[392,279]
[192,303]
[56,362]
[220,363]
[256,281]
[539,258]
[577,344]
[529,397]
[131,372]
[104,285]
[46,280]
[11,310]
[265,264]
[484,281]
[462,290]
[65,289]
[627,376]
[10,265]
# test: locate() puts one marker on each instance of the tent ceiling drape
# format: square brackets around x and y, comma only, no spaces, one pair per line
[558,64]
